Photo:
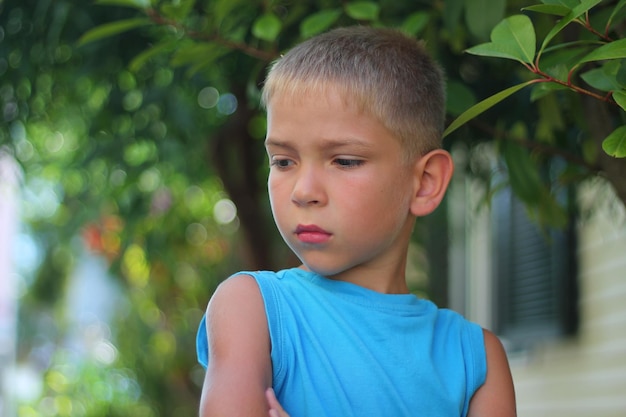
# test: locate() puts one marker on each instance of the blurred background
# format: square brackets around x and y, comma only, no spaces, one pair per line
[132,182]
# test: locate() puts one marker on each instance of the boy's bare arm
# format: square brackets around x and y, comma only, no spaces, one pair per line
[240,369]
[496,398]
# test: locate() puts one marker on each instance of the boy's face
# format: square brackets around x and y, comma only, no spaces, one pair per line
[339,187]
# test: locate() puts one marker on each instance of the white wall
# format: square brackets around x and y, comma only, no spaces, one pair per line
[582,376]
[586,375]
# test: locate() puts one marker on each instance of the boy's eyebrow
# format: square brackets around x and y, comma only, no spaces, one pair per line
[326,143]
[277,142]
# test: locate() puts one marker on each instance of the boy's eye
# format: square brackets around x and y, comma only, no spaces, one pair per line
[281,162]
[348,163]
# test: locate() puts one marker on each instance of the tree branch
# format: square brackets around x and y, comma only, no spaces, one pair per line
[537,146]
[265,56]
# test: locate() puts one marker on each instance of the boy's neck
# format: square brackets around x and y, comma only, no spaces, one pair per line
[384,282]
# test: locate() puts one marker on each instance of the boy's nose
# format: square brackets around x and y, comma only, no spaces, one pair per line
[308,189]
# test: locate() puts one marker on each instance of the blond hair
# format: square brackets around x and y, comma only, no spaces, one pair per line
[382,71]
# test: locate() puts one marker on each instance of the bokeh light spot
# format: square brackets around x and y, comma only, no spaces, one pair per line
[208,97]
[196,234]
[224,211]
[227,104]
[135,266]
[149,180]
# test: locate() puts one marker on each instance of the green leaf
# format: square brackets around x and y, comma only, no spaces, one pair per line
[415,23]
[612,50]
[566,54]
[363,10]
[193,53]
[570,4]
[513,38]
[523,172]
[460,98]
[267,27]
[620,98]
[319,22]
[615,144]
[540,90]
[583,7]
[113,28]
[484,105]
[616,10]
[553,9]
[160,48]
[138,4]
[604,78]
[207,60]
[481,16]
[178,10]
[452,12]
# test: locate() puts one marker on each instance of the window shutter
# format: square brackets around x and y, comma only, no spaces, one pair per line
[534,274]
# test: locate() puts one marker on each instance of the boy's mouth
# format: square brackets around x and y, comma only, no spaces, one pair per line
[312,234]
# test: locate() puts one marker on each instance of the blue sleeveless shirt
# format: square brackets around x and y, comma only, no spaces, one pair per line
[339,349]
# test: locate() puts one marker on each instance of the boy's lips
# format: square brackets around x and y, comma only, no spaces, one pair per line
[312,234]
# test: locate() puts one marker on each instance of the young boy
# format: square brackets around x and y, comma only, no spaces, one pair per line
[355,118]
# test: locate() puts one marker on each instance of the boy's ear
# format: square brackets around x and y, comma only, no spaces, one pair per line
[432,176]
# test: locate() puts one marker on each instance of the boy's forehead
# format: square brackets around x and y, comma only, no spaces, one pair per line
[323,93]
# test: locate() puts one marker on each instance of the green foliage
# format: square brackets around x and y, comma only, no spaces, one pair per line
[114,28]
[267,27]
[482,15]
[362,10]
[514,38]
[139,4]
[615,143]
[318,22]
[483,106]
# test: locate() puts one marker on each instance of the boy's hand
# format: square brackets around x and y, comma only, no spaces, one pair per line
[276,410]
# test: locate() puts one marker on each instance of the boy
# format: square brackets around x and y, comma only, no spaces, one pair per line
[355,118]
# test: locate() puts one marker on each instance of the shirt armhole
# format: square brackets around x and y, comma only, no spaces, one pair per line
[475,360]
[267,282]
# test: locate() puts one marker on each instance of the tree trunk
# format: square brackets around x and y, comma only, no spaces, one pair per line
[238,157]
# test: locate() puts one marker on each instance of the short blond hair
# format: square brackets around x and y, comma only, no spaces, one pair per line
[382,71]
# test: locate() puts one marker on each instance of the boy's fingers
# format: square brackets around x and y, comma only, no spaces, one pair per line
[276,410]
[271,398]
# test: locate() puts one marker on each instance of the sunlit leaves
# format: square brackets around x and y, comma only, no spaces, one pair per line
[135,266]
